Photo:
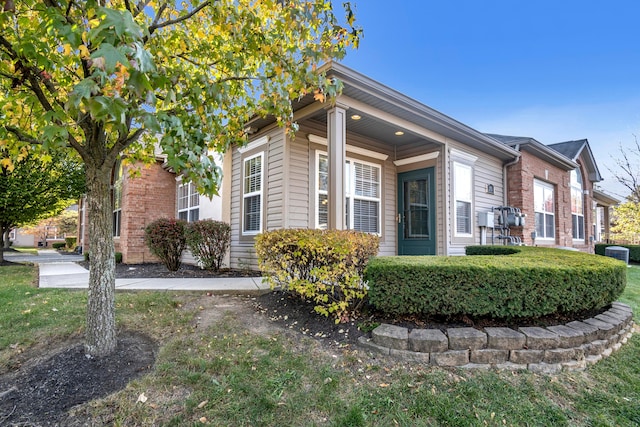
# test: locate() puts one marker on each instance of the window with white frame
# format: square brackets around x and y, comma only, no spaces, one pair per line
[463,195]
[252,194]
[188,202]
[116,198]
[577,204]
[544,207]
[362,194]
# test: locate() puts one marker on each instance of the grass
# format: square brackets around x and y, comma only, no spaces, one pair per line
[229,375]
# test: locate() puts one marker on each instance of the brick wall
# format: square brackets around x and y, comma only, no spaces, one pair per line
[145,198]
[520,194]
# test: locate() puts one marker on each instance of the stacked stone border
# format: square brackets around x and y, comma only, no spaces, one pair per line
[572,346]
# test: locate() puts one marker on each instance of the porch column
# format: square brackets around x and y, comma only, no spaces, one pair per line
[336,148]
[607,222]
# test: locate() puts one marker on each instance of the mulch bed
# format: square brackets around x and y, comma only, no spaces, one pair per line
[159,271]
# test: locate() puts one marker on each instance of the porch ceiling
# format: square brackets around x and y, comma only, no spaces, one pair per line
[375,129]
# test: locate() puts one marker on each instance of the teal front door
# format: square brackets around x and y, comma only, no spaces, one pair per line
[416,213]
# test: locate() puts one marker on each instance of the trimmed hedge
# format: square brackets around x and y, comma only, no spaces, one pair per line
[634,250]
[324,266]
[532,282]
[58,245]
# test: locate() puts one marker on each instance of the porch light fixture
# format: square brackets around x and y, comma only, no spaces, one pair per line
[356,117]
[399,133]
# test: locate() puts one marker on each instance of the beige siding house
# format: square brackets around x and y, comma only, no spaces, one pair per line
[375,161]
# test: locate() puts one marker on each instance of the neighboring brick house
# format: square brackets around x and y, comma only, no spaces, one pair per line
[554,186]
[137,201]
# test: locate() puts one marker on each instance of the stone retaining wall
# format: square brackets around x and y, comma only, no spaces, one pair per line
[547,350]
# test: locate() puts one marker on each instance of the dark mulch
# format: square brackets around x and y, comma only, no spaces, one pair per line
[297,314]
[41,393]
[155,270]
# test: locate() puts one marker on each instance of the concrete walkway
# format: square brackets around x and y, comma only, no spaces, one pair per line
[61,271]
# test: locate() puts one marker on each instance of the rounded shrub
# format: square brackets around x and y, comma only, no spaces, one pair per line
[531,282]
[208,241]
[165,237]
[323,266]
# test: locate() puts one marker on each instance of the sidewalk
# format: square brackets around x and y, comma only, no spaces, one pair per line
[57,271]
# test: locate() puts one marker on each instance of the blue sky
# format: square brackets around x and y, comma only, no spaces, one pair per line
[552,70]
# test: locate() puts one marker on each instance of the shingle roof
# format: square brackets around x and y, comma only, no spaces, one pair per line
[570,149]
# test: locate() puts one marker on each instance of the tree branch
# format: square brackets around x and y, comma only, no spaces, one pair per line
[155,25]
[22,136]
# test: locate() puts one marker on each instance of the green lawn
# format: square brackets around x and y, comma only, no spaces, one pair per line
[227,375]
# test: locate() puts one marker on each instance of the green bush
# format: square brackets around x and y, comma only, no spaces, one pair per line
[530,283]
[208,241]
[166,240]
[491,250]
[323,266]
[70,242]
[58,245]
[634,250]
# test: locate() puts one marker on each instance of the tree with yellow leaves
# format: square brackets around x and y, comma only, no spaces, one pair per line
[113,79]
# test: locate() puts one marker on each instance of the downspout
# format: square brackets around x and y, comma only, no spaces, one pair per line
[505,181]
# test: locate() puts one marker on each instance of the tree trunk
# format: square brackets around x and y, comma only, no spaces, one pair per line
[6,241]
[3,232]
[100,337]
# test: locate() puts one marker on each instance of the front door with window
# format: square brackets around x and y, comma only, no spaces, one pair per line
[416,213]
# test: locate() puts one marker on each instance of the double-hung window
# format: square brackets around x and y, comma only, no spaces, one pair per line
[544,207]
[252,181]
[362,194]
[462,193]
[577,205]
[188,202]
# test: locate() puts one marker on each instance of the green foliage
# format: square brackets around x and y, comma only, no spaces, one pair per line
[634,250]
[324,266]
[59,245]
[491,250]
[70,242]
[34,187]
[208,241]
[626,218]
[530,283]
[165,237]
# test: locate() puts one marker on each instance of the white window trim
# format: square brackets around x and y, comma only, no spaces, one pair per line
[254,193]
[318,192]
[351,177]
[456,199]
[350,148]
[582,193]
[553,190]
[253,144]
[191,190]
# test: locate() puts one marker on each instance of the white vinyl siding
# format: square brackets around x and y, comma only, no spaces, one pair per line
[463,195]
[577,205]
[188,202]
[544,206]
[252,194]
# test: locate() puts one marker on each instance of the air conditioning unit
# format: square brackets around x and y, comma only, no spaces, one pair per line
[617,252]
